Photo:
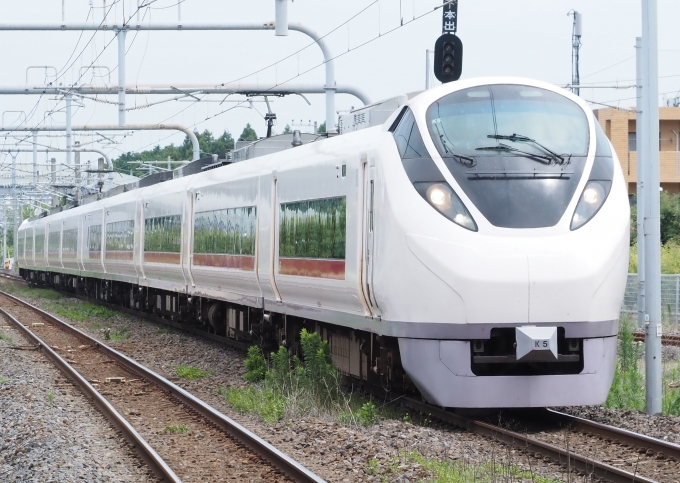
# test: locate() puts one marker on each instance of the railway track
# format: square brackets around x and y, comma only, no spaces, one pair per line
[180,437]
[575,443]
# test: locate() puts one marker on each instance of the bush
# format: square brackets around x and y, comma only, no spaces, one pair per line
[256,366]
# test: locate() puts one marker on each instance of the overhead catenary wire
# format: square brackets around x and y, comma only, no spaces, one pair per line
[299,74]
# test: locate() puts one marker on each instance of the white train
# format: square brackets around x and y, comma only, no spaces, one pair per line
[473,246]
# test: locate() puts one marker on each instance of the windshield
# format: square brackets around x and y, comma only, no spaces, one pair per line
[528,147]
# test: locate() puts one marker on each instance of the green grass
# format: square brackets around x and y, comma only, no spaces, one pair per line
[50,397]
[79,311]
[5,337]
[188,372]
[165,331]
[3,380]
[457,472]
[122,333]
[266,403]
[176,429]
[36,293]
[99,325]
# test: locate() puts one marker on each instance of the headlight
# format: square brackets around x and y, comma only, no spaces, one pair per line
[442,197]
[592,199]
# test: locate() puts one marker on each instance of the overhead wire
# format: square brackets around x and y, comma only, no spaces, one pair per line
[415,18]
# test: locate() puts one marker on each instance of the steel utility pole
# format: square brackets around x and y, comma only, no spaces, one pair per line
[650,108]
[4,233]
[641,186]
[576,33]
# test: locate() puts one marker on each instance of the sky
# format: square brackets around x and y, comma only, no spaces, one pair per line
[381,50]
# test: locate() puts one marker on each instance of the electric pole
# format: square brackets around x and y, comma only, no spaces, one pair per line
[650,107]
[577,31]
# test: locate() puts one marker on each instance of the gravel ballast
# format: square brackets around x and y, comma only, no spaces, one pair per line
[49,432]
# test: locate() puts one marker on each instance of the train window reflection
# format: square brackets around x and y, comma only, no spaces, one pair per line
[229,232]
[94,238]
[163,234]
[120,236]
[53,242]
[40,243]
[313,229]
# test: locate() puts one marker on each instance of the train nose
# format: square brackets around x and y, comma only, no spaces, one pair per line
[494,285]
[529,280]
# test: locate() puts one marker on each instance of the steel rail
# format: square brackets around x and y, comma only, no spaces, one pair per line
[528,443]
[622,435]
[254,443]
[666,339]
[145,451]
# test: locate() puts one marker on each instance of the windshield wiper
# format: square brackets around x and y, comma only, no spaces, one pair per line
[524,139]
[505,147]
[464,160]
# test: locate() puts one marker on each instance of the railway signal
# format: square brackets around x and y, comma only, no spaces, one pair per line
[448,50]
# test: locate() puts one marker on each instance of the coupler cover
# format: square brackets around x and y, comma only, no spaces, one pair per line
[536,343]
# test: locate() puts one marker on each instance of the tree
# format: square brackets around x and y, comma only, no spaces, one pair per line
[207,144]
[248,134]
[322,128]
[287,129]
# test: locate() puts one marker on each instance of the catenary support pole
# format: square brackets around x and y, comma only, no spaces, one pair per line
[4,233]
[641,193]
[121,77]
[15,203]
[650,108]
[35,158]
[427,69]
[281,24]
[55,198]
[69,140]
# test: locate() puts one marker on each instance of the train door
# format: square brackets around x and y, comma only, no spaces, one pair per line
[369,233]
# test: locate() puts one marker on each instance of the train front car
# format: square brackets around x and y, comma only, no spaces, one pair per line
[502,263]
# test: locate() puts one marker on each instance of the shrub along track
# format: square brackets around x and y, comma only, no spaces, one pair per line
[193,441]
[594,449]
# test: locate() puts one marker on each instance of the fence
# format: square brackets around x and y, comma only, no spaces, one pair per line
[670,299]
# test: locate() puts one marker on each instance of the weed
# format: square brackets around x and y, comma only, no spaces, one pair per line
[50,397]
[121,334]
[367,414]
[457,472]
[5,337]
[164,331]
[99,326]
[628,388]
[256,366]
[188,372]
[3,380]
[407,419]
[176,429]
[373,466]
[266,403]
[79,311]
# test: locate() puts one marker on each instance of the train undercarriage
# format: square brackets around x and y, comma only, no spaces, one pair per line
[368,359]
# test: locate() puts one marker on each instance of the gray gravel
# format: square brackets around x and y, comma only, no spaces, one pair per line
[49,432]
